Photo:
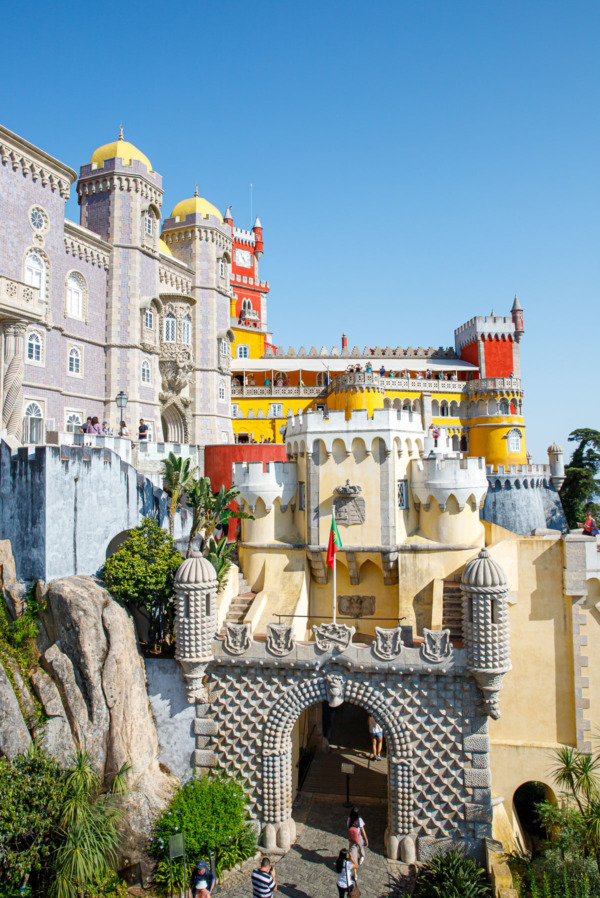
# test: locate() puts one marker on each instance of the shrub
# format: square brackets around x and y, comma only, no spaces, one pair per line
[142,571]
[212,814]
[451,875]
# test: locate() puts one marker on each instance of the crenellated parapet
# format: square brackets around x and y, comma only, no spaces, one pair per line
[438,477]
[393,427]
[277,480]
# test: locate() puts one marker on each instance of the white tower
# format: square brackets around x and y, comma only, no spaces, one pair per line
[195,621]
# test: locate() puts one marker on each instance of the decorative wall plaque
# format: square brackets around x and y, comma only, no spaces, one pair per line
[280,641]
[436,645]
[350,508]
[388,643]
[356,606]
[334,683]
[237,638]
[333,637]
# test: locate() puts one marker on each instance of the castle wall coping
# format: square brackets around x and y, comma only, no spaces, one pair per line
[429,546]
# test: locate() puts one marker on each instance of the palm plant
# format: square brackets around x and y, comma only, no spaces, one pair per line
[219,555]
[210,509]
[89,836]
[178,476]
[577,774]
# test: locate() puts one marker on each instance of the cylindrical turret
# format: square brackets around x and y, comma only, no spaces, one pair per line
[485,627]
[258,238]
[228,217]
[344,342]
[195,620]
[557,465]
[517,317]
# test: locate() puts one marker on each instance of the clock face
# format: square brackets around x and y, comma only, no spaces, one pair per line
[243,258]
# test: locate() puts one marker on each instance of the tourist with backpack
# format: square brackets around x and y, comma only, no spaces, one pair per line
[357,836]
[346,875]
[202,882]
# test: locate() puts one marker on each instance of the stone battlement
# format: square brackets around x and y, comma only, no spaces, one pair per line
[440,477]
[483,326]
[276,480]
[369,353]
[385,424]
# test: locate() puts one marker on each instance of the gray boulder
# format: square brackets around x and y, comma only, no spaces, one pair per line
[14,735]
[54,735]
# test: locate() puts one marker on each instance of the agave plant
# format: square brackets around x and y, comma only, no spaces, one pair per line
[452,875]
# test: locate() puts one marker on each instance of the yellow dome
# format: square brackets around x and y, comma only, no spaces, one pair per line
[163,248]
[198,205]
[121,149]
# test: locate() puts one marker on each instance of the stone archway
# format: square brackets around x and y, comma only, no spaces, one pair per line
[174,425]
[277,780]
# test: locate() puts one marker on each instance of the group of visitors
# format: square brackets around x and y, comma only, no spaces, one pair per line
[92,426]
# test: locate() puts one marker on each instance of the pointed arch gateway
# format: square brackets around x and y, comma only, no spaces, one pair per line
[277,780]
[174,425]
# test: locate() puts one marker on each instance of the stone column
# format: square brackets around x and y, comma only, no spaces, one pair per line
[14,371]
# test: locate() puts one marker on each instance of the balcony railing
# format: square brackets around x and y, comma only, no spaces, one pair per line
[371,379]
[16,296]
[487,384]
[238,390]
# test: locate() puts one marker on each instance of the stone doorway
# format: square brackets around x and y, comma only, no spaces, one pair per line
[346,740]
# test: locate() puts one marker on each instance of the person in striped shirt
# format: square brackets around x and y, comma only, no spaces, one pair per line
[263,880]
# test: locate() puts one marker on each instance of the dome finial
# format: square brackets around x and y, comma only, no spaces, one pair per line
[196,191]
[121,132]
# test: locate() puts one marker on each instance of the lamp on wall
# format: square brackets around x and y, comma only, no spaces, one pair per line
[121,399]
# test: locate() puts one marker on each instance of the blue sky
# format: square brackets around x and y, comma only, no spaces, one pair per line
[414,163]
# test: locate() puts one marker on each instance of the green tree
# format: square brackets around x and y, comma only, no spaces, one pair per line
[89,819]
[210,509]
[178,476]
[142,571]
[212,812]
[582,487]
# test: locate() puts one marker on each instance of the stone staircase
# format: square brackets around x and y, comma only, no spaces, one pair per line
[240,605]
[452,610]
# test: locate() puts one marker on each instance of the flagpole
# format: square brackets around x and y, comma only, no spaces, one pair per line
[334,572]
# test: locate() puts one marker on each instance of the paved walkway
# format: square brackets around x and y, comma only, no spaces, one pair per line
[307,870]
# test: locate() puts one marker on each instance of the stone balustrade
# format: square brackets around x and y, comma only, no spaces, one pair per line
[374,380]
[238,390]
[17,298]
[487,384]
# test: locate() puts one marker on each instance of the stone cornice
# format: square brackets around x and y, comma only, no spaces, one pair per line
[21,154]
[81,242]
[101,181]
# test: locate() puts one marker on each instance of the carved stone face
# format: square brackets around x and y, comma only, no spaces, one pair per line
[335,689]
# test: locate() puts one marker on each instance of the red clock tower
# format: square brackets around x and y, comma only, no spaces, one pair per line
[249,293]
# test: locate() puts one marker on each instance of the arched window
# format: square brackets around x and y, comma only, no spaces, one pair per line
[74,360]
[186,330]
[224,347]
[444,409]
[504,406]
[243,352]
[33,424]
[148,224]
[146,373]
[221,389]
[514,441]
[170,328]
[33,410]
[247,305]
[222,268]
[73,422]
[36,273]
[75,292]
[148,320]
[34,348]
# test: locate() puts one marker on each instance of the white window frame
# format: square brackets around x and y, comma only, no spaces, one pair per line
[224,347]
[149,319]
[402,495]
[222,268]
[186,330]
[36,276]
[73,413]
[170,328]
[234,410]
[514,439]
[74,352]
[148,224]
[276,410]
[32,337]
[222,390]
[146,381]
[76,287]
[243,351]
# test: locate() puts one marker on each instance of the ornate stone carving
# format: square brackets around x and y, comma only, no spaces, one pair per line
[388,643]
[237,638]
[334,683]
[436,645]
[194,672]
[333,637]
[349,507]
[176,373]
[280,640]
[356,606]
[12,399]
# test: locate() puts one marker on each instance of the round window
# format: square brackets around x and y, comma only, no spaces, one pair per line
[37,219]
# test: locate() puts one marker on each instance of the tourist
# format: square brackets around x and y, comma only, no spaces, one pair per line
[87,427]
[376,738]
[142,430]
[590,528]
[106,430]
[123,432]
[267,381]
[346,871]
[263,880]
[357,836]
[202,882]
[368,367]
[382,371]
[95,428]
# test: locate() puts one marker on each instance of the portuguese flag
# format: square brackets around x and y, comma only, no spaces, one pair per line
[335,543]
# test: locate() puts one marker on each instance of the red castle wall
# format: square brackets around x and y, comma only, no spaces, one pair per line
[470,354]
[498,357]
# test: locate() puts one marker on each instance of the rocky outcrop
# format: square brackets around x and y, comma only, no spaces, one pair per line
[91,684]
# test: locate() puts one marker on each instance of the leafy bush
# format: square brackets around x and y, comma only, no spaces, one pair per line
[142,571]
[451,875]
[32,792]
[212,813]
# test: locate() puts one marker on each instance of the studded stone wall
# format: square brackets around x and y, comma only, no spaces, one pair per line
[439,778]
